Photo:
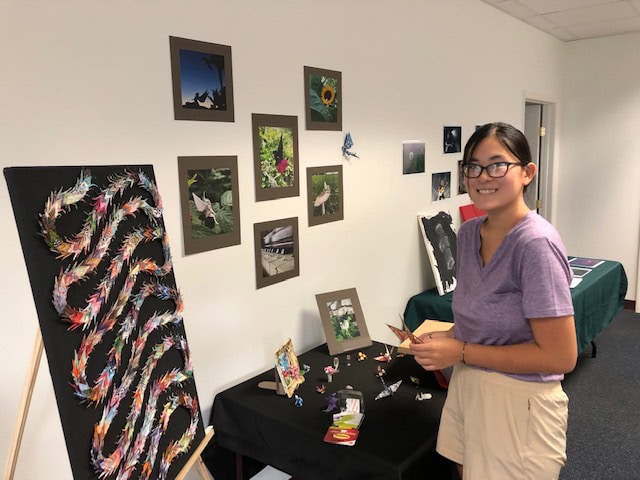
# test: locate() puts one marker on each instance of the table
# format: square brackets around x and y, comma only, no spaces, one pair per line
[397,437]
[596,301]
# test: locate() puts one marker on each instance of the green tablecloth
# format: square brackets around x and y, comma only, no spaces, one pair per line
[596,301]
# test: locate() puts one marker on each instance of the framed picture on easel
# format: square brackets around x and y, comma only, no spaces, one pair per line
[343,321]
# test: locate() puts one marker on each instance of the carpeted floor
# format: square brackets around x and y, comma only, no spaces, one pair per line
[604,406]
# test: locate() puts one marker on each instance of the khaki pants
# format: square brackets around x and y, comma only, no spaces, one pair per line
[498,427]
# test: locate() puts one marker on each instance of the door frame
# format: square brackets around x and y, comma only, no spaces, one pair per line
[547,143]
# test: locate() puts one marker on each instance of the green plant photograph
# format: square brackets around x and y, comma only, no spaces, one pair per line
[323,98]
[276,157]
[210,202]
[344,323]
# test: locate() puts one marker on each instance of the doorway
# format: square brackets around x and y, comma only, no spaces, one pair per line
[539,129]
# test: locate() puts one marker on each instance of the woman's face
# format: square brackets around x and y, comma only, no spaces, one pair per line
[494,194]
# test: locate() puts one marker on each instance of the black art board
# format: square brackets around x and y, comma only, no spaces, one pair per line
[29,189]
[441,243]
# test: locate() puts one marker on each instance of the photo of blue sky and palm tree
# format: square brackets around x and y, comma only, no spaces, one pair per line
[202,80]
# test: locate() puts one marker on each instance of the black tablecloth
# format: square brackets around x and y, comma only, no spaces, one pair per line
[397,437]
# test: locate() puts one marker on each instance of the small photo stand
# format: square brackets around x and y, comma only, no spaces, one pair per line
[441,244]
[276,251]
[323,99]
[275,156]
[325,197]
[209,200]
[343,321]
[202,80]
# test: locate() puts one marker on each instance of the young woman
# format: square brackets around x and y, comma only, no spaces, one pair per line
[514,336]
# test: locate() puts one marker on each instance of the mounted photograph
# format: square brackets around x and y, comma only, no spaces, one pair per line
[276,251]
[323,99]
[325,196]
[275,156]
[202,80]
[209,200]
[343,321]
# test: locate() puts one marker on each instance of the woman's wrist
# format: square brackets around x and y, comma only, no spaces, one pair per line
[464,347]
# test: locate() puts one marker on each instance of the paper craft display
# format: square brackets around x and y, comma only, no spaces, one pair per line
[110,315]
[288,368]
[346,423]
[440,241]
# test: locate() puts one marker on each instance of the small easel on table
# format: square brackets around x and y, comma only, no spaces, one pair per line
[27,393]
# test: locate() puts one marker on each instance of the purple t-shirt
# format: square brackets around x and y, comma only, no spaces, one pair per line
[527,277]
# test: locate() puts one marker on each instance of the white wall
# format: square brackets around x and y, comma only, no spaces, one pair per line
[599,182]
[91,84]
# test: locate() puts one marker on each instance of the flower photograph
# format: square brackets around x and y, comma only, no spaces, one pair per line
[323,99]
[275,156]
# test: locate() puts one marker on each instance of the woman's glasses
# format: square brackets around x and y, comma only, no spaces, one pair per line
[494,170]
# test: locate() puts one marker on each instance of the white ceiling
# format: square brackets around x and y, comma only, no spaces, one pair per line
[571,20]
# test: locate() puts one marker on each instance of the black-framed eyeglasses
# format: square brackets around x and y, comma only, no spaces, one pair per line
[494,170]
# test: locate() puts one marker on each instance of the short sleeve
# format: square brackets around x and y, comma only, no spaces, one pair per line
[545,278]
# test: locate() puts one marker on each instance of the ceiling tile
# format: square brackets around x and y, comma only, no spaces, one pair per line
[595,13]
[562,34]
[515,9]
[540,22]
[549,6]
[612,27]
[571,20]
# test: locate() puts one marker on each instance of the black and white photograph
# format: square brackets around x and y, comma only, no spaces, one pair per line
[276,251]
[452,139]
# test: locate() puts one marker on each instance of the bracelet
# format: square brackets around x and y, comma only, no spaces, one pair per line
[463,347]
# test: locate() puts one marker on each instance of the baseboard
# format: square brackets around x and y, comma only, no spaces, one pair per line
[630,305]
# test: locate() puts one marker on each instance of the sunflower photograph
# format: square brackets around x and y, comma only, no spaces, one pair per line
[323,99]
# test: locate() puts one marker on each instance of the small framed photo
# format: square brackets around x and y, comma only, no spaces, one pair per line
[462,188]
[343,321]
[275,156]
[452,139]
[325,197]
[288,368]
[276,251]
[440,186]
[323,99]
[202,80]
[210,202]
[413,155]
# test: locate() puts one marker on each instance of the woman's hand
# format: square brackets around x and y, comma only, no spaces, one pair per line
[437,351]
